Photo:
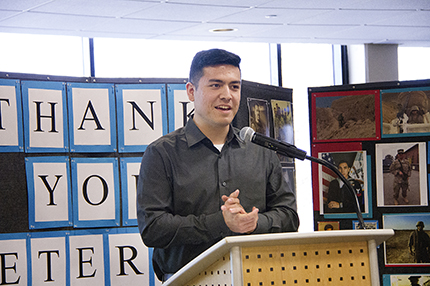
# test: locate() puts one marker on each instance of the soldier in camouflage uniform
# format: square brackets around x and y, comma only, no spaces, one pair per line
[401,169]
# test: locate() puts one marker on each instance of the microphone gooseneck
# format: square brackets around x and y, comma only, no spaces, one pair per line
[249,135]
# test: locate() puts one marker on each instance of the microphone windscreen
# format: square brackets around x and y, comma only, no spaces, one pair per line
[246,133]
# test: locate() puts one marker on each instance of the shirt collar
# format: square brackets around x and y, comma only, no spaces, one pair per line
[194,135]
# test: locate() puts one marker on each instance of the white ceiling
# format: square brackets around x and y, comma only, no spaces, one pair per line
[403,22]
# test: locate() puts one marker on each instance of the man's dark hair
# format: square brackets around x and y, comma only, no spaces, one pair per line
[208,58]
[343,161]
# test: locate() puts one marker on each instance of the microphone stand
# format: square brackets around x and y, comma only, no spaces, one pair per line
[332,167]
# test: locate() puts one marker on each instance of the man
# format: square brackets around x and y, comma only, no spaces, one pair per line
[414,280]
[415,115]
[419,244]
[339,198]
[257,123]
[201,182]
[401,169]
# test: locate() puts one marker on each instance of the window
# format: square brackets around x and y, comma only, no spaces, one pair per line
[172,59]
[43,54]
[414,63]
[303,66]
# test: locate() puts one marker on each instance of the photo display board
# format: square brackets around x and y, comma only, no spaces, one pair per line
[377,135]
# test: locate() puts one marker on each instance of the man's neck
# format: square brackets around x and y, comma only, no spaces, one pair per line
[217,134]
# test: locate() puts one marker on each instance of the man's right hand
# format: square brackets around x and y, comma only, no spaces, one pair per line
[235,216]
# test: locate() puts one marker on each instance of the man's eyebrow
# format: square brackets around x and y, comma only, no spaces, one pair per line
[215,80]
[221,81]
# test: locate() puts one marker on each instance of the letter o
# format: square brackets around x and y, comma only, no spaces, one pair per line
[85,190]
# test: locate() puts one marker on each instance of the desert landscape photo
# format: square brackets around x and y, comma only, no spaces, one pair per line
[346,117]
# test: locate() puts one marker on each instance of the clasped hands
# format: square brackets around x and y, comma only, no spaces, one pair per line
[235,216]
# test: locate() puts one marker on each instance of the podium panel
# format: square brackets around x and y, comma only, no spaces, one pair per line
[346,257]
[218,273]
[313,264]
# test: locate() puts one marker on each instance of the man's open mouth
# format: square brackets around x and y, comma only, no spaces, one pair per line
[223,107]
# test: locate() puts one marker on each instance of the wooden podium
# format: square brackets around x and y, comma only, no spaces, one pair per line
[340,257]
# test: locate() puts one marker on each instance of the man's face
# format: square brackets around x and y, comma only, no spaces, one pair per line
[216,99]
[344,169]
[419,228]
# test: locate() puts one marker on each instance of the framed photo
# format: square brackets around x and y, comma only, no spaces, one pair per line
[405,112]
[259,115]
[283,129]
[283,121]
[334,198]
[328,225]
[407,246]
[346,116]
[413,279]
[368,224]
[401,175]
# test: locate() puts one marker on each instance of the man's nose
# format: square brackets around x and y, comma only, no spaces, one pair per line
[226,92]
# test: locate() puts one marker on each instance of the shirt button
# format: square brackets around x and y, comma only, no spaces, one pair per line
[224,184]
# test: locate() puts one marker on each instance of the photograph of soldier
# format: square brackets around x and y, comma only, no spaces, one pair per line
[339,198]
[407,279]
[419,244]
[410,243]
[414,280]
[258,116]
[336,197]
[401,176]
[283,124]
[401,169]
[405,111]
[283,121]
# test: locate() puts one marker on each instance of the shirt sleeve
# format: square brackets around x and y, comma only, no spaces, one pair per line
[158,225]
[281,207]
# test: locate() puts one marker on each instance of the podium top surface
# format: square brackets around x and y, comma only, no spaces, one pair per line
[292,238]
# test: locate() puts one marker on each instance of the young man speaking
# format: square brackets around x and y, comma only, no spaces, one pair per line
[201,182]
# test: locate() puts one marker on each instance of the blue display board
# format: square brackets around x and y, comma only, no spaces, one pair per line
[45,116]
[49,192]
[11,137]
[92,117]
[142,115]
[96,193]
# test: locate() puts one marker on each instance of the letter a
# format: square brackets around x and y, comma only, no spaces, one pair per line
[95,118]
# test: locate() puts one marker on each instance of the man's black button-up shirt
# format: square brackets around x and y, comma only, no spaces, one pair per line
[181,181]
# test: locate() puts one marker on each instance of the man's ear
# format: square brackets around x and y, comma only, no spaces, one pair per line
[191,89]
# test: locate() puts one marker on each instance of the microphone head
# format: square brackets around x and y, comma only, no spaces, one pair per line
[246,133]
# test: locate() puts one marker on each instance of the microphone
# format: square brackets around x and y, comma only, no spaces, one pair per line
[248,134]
